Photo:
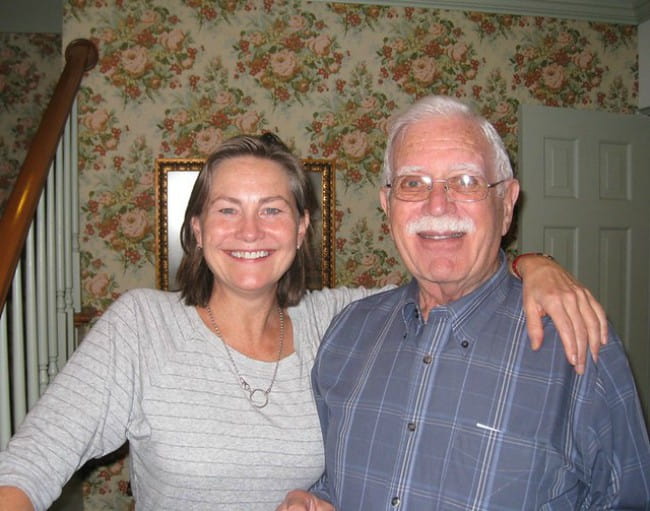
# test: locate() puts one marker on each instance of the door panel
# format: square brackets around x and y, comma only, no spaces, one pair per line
[585,180]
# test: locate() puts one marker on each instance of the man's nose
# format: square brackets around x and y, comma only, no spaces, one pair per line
[437,200]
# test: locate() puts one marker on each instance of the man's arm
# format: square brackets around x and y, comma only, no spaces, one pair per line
[579,318]
[14,499]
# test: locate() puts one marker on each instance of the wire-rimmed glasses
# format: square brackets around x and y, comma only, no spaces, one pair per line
[460,188]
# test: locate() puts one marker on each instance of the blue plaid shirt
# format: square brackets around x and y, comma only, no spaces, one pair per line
[460,413]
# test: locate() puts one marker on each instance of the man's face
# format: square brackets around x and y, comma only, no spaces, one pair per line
[449,260]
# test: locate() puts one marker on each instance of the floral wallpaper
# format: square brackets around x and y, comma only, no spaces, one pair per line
[175,77]
[30,64]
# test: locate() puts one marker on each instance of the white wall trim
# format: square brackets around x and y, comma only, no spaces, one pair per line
[628,12]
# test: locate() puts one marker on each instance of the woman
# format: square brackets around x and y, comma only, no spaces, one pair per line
[210,386]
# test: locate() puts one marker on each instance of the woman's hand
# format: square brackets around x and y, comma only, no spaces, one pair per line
[580,320]
[14,499]
[300,500]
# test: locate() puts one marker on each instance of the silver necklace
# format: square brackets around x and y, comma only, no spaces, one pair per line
[258,397]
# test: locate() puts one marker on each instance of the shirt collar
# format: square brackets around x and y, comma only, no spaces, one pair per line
[462,310]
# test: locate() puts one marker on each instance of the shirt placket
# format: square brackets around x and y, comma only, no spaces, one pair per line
[429,339]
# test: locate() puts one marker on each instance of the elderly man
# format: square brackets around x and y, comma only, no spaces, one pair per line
[430,396]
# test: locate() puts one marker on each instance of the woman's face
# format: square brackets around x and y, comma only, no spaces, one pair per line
[250,227]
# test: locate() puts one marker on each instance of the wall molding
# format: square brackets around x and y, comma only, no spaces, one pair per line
[628,12]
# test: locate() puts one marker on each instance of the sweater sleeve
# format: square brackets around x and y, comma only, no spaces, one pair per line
[83,413]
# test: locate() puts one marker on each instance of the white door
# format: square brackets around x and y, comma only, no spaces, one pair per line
[585,179]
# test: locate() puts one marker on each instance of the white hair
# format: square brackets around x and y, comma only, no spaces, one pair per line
[436,106]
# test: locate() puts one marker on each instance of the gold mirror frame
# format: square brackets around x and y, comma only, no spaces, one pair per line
[180,174]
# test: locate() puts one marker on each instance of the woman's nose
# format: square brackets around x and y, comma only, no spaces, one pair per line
[250,228]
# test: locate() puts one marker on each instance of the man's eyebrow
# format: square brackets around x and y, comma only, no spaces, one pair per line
[409,169]
[467,166]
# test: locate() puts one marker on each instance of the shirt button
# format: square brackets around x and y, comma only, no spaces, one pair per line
[411,426]
[464,343]
[427,359]
[395,502]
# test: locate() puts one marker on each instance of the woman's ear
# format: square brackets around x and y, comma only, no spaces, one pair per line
[303,225]
[196,229]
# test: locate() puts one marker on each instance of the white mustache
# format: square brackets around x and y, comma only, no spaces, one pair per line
[446,223]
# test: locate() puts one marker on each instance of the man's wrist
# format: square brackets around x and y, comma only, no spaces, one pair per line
[517,259]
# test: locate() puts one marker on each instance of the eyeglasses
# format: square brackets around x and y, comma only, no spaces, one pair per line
[461,188]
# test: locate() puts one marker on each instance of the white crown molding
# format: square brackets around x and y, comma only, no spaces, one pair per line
[628,12]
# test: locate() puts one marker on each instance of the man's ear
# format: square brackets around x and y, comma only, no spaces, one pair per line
[384,200]
[509,200]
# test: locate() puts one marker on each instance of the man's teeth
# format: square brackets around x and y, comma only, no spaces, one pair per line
[431,236]
[251,255]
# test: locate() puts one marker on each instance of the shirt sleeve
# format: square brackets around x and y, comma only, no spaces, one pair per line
[83,413]
[617,439]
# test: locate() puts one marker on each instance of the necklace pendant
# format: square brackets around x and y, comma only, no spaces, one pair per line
[259,398]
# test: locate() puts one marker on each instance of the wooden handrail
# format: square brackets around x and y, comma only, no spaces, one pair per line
[81,55]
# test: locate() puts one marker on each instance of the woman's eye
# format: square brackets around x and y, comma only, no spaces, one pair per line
[271,211]
[227,211]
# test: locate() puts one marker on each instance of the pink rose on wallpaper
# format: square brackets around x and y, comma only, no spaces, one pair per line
[355,144]
[564,38]
[146,180]
[107,35]
[256,38]
[105,199]
[208,139]
[369,260]
[97,285]
[95,121]
[329,119]
[553,76]
[223,99]
[424,70]
[149,17]
[458,51]
[284,64]
[22,68]
[437,30]
[297,23]
[135,60]
[368,104]
[134,224]
[320,45]
[181,117]
[247,122]
[399,45]
[503,109]
[111,143]
[173,40]
[382,125]
[394,278]
[583,59]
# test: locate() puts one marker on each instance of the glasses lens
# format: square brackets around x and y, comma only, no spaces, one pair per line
[411,188]
[467,187]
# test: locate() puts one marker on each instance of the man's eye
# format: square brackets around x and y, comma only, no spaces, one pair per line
[466,182]
[412,183]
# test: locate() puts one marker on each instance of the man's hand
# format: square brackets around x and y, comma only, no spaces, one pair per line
[300,500]
[579,318]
